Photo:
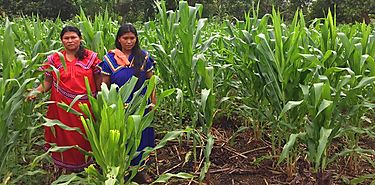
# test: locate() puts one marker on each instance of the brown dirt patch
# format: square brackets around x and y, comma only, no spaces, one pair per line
[249,161]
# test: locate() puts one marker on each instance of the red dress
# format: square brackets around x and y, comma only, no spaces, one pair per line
[71,84]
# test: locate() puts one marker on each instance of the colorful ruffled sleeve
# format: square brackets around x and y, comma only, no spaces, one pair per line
[46,66]
[104,67]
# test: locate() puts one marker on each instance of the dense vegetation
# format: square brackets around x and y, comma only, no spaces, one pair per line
[144,10]
[306,88]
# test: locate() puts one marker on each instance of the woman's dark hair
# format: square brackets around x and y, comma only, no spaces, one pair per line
[81,54]
[139,56]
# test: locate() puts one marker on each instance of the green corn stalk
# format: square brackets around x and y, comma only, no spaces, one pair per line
[99,34]
[13,83]
[280,58]
[115,135]
[268,67]
[319,106]
[34,36]
[115,131]
[277,69]
[207,153]
[180,53]
[324,107]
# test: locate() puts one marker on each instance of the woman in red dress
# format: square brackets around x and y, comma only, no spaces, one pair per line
[80,63]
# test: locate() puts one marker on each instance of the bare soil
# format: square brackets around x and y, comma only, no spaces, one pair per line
[248,160]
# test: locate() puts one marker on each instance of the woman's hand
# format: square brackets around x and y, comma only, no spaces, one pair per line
[153,100]
[44,87]
[153,94]
[151,106]
[32,94]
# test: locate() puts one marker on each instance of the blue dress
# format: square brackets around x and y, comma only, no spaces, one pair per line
[120,75]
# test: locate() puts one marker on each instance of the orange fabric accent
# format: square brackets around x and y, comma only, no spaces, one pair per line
[121,58]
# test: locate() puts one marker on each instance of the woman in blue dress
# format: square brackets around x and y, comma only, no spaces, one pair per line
[118,66]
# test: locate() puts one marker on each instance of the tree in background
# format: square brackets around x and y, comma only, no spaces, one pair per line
[295,5]
[348,11]
[319,8]
[51,9]
[93,7]
[139,10]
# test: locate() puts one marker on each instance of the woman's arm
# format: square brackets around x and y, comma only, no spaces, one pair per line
[98,81]
[106,79]
[44,87]
[153,95]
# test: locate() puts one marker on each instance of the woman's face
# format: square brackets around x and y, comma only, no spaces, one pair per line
[127,41]
[71,41]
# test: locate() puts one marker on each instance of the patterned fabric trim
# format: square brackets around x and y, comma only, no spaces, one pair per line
[89,63]
[48,73]
[109,61]
[114,69]
[53,62]
[97,69]
[72,167]
[152,67]
[144,62]
[50,60]
[131,63]
[70,95]
[105,73]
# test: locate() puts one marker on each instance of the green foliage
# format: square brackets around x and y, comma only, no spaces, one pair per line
[15,114]
[45,9]
[347,11]
[144,10]
[301,84]
[115,131]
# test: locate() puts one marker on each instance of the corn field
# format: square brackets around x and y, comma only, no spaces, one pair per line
[305,89]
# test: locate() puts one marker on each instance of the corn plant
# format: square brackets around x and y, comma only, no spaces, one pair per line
[278,61]
[323,107]
[296,83]
[13,83]
[267,67]
[335,86]
[35,36]
[114,130]
[180,53]
[99,34]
